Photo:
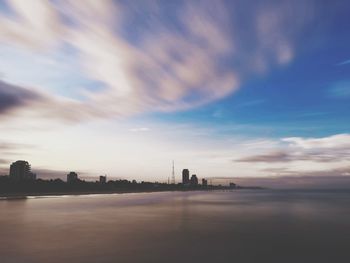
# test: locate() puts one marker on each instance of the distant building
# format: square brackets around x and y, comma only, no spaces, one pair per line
[233,185]
[194,179]
[103,179]
[185,176]
[204,182]
[21,170]
[71,177]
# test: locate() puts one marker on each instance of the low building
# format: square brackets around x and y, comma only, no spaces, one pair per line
[103,179]
[233,185]
[71,177]
[194,180]
[204,182]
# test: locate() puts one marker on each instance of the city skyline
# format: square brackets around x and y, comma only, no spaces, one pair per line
[225,88]
[21,170]
[22,182]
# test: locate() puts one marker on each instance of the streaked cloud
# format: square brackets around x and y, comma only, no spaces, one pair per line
[33,24]
[338,141]
[340,89]
[163,64]
[12,97]
[9,150]
[3,161]
[250,103]
[313,156]
[303,152]
[269,157]
[34,103]
[140,129]
[345,62]
[163,71]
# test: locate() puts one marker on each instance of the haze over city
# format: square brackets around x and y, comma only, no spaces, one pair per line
[228,89]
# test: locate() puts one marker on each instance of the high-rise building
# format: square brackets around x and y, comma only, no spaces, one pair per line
[71,177]
[21,170]
[194,179]
[185,176]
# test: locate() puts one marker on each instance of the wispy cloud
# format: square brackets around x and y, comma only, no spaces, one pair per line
[312,156]
[141,129]
[3,161]
[250,103]
[268,157]
[13,97]
[334,149]
[163,71]
[345,62]
[9,151]
[339,89]
[30,102]
[171,61]
[338,141]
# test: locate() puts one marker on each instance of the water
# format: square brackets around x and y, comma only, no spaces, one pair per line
[239,226]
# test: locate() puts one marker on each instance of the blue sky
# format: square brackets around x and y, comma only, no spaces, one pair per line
[248,89]
[304,99]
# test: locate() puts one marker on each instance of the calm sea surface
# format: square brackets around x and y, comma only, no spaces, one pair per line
[238,226]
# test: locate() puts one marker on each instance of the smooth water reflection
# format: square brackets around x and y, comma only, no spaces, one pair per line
[240,226]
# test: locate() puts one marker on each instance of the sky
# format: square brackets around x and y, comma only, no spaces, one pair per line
[255,92]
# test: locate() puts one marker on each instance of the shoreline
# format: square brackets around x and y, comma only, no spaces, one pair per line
[21,196]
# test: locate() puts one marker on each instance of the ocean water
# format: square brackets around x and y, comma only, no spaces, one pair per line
[237,226]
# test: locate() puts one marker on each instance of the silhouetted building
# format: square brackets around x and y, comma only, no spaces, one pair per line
[194,179]
[71,177]
[103,179]
[204,182]
[185,176]
[21,170]
[233,185]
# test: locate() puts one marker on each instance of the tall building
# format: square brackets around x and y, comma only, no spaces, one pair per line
[194,179]
[21,170]
[71,177]
[185,176]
